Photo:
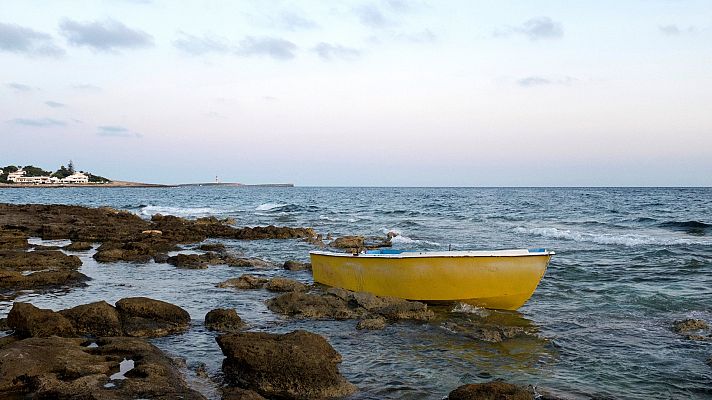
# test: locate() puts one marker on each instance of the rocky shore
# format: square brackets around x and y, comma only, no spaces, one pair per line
[103,351]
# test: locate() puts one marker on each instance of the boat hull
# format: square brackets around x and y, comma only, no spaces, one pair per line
[499,282]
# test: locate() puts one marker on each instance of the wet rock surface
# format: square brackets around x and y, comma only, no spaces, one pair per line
[223,320]
[138,316]
[144,317]
[343,304]
[292,265]
[276,284]
[54,367]
[693,329]
[373,323]
[79,246]
[296,365]
[233,393]
[495,390]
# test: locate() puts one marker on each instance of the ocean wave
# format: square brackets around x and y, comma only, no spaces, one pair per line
[608,238]
[270,206]
[465,308]
[400,238]
[283,207]
[150,210]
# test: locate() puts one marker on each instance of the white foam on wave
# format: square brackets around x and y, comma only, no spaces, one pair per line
[400,238]
[625,239]
[270,206]
[178,211]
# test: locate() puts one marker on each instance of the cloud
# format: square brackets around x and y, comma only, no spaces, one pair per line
[331,52]
[21,40]
[109,35]
[674,30]
[87,87]
[54,104]
[532,81]
[117,131]
[425,36]
[292,21]
[37,122]
[196,46]
[19,87]
[372,16]
[535,29]
[276,48]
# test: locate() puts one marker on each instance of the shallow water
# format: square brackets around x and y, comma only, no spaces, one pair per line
[629,262]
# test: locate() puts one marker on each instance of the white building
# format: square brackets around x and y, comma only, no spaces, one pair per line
[13,176]
[36,180]
[77,177]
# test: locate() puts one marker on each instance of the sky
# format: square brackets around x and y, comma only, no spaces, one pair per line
[361,93]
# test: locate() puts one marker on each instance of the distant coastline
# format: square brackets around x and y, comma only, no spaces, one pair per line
[126,184]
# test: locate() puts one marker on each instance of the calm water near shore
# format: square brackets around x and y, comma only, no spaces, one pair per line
[629,262]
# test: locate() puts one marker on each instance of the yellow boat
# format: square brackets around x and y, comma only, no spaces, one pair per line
[500,279]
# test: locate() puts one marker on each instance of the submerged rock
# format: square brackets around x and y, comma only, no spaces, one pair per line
[487,332]
[61,368]
[495,390]
[29,321]
[223,320]
[292,265]
[39,260]
[296,365]
[95,319]
[144,317]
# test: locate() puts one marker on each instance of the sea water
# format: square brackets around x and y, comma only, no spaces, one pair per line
[629,262]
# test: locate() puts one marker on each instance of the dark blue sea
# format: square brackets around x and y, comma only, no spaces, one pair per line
[629,262]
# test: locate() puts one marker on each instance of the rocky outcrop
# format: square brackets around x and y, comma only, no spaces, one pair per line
[41,279]
[372,323]
[234,393]
[285,285]
[39,269]
[223,320]
[140,250]
[62,368]
[29,321]
[495,390]
[276,284]
[11,239]
[213,247]
[693,329]
[95,319]
[343,304]
[292,265]
[202,261]
[138,316]
[296,365]
[244,282]
[355,244]
[188,261]
[144,317]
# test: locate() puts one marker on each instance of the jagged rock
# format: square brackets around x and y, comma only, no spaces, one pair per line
[374,323]
[233,393]
[160,258]
[349,243]
[187,261]
[244,282]
[61,368]
[223,320]
[144,317]
[285,285]
[95,319]
[29,321]
[495,390]
[140,251]
[292,265]
[296,365]
[78,246]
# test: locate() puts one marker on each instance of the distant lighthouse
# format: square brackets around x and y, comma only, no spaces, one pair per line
[216,179]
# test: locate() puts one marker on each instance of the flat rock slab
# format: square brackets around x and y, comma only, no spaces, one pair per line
[62,368]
